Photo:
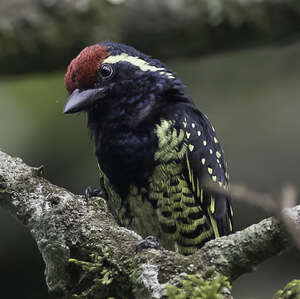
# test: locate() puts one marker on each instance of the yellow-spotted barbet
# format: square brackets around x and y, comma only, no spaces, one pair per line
[156,150]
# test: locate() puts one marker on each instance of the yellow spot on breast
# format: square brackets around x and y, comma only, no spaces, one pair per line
[210,171]
[184,124]
[211,151]
[220,183]
[188,135]
[193,125]
[204,142]
[218,155]
[199,133]
[214,178]
[191,147]
[216,140]
[213,128]
[203,161]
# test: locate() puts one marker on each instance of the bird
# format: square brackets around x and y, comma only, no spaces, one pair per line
[160,163]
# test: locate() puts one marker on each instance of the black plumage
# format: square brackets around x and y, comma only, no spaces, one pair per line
[156,151]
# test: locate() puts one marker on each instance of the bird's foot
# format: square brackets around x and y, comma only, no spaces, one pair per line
[148,242]
[90,192]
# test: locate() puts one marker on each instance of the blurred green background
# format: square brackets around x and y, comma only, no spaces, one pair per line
[251,97]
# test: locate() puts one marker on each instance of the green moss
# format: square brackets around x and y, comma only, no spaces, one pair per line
[94,276]
[291,291]
[100,276]
[196,287]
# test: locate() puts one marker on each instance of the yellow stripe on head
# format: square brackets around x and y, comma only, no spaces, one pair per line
[138,62]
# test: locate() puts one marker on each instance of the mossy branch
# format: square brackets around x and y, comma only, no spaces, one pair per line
[87,254]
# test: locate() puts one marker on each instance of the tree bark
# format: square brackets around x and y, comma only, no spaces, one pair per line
[87,253]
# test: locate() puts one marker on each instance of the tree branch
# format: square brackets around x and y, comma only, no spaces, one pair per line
[207,26]
[47,34]
[86,252]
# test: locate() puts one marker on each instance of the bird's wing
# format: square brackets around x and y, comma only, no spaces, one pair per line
[189,156]
[205,171]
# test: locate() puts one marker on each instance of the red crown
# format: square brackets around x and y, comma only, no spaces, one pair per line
[82,71]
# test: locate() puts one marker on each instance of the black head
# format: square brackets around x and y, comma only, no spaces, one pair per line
[115,72]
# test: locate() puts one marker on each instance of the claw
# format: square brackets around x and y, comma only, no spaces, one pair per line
[90,192]
[87,192]
[148,242]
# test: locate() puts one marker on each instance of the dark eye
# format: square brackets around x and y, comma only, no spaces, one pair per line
[106,71]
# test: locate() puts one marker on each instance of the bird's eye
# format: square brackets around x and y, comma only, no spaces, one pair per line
[106,71]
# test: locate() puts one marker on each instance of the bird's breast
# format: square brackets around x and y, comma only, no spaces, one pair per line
[127,158]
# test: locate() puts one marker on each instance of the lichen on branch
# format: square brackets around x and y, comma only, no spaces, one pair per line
[86,252]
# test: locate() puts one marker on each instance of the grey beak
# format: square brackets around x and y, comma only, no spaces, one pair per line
[82,100]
